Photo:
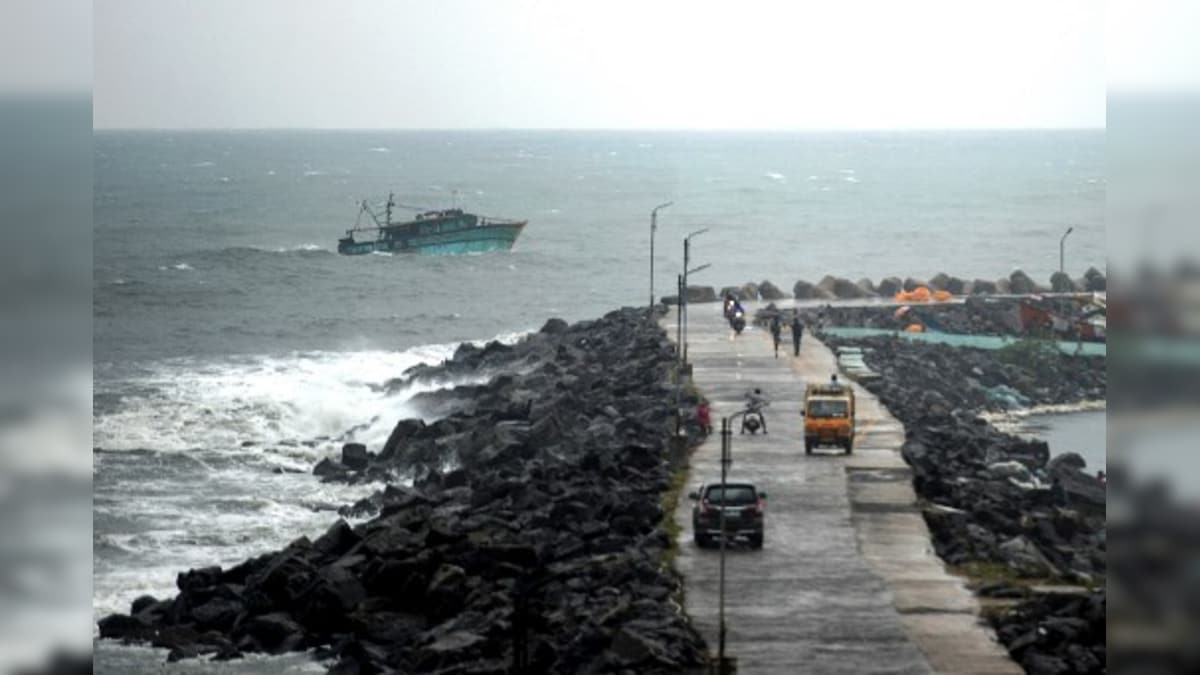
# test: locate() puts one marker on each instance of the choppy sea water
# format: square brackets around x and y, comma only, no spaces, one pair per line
[234,348]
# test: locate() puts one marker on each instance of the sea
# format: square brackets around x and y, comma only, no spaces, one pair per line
[233,347]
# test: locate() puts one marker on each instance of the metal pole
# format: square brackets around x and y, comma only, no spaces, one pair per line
[678,356]
[653,229]
[679,320]
[1062,243]
[683,346]
[726,441]
[687,242]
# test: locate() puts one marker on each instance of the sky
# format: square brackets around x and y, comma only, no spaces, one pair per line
[612,64]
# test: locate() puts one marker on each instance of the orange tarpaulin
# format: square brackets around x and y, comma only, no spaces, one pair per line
[922,294]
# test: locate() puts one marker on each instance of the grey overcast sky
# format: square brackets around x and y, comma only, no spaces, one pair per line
[662,64]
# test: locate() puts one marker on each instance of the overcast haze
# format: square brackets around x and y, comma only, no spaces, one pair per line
[611,64]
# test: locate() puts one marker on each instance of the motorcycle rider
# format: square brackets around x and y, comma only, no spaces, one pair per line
[727,307]
[755,402]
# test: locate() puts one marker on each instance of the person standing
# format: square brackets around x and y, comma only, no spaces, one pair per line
[704,417]
[797,333]
[776,330]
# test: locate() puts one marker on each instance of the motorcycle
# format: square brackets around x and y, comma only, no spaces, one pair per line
[738,321]
[752,421]
[752,418]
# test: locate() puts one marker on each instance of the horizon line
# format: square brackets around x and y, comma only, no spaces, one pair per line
[603,129]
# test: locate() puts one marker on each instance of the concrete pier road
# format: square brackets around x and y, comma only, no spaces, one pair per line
[846,581]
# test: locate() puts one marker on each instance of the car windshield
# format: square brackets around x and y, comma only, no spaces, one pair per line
[827,409]
[735,495]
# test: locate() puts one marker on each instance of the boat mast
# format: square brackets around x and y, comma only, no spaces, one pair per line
[390,204]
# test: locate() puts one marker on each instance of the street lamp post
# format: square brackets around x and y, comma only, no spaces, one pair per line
[1062,243]
[653,229]
[687,243]
[726,460]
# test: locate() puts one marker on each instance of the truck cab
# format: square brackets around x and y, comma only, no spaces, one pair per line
[828,416]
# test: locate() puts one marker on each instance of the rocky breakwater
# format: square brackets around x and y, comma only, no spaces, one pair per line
[974,316]
[530,540]
[998,505]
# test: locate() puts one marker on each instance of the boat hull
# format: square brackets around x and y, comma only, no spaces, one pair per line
[492,237]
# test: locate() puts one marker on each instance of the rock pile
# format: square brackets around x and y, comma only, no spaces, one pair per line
[531,540]
[1057,634]
[839,288]
[831,287]
[991,497]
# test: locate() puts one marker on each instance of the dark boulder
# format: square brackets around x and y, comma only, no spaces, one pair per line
[327,468]
[955,286]
[769,291]
[124,627]
[912,284]
[554,326]
[1065,461]
[983,287]
[701,294]
[218,613]
[1062,283]
[839,287]
[403,433]
[803,290]
[1096,283]
[355,456]
[890,286]
[337,540]
[275,633]
[142,603]
[1019,283]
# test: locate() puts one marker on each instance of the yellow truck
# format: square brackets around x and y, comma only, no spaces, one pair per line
[828,416]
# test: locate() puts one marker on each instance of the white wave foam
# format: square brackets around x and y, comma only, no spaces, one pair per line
[301,247]
[201,165]
[315,172]
[210,517]
[775,176]
[378,149]
[386,254]
[845,170]
[182,404]
[1013,421]
[183,267]
[850,179]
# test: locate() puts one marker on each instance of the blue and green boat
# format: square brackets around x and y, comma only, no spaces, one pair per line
[444,232]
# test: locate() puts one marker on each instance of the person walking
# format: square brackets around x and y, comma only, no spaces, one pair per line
[776,330]
[797,333]
[704,417]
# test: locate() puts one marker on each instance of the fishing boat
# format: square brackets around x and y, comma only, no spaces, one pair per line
[436,232]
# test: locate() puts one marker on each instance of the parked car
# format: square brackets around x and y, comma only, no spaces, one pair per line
[744,506]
